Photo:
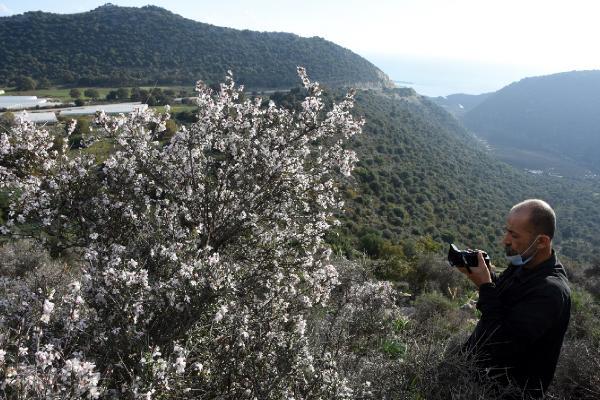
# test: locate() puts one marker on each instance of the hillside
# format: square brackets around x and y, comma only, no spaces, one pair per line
[548,123]
[114,45]
[421,175]
[460,103]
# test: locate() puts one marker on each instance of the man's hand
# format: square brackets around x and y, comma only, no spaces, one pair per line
[480,274]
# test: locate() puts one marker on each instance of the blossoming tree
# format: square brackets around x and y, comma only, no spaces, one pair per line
[200,257]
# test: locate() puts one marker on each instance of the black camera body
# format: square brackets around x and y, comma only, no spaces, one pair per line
[465,258]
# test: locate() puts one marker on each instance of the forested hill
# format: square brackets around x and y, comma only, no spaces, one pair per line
[422,175]
[114,45]
[552,120]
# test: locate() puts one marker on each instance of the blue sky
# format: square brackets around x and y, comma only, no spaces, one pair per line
[471,45]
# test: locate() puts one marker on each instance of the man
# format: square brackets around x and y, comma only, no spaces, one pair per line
[525,311]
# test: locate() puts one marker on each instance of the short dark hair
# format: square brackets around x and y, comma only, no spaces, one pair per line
[541,216]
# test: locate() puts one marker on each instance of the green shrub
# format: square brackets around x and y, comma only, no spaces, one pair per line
[395,269]
[431,304]
[394,349]
[372,244]
[585,316]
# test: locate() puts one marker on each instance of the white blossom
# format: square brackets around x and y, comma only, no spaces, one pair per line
[214,239]
[48,307]
[221,313]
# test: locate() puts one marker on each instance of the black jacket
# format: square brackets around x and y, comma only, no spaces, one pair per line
[524,317]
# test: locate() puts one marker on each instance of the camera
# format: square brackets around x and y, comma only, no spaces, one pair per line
[465,258]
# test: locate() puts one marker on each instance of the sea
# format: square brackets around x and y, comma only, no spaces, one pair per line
[440,77]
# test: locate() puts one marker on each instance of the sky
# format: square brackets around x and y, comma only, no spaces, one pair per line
[439,46]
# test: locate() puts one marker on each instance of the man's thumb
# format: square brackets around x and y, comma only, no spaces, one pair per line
[480,257]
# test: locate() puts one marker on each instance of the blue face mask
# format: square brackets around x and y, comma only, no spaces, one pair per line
[517,259]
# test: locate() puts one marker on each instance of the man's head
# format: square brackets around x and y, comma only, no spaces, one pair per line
[530,227]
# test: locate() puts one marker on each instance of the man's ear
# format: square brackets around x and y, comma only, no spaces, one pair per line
[544,241]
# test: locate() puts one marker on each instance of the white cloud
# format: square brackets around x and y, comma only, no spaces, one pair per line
[4,10]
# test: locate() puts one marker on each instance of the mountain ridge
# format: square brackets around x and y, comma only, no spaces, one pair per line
[554,115]
[128,45]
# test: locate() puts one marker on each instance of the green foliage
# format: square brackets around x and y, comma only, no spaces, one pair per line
[100,149]
[152,97]
[431,304]
[43,83]
[75,93]
[91,93]
[185,116]
[395,269]
[441,316]
[401,324]
[372,244]
[416,173]
[422,182]
[122,93]
[394,349]
[24,83]
[424,271]
[577,371]
[112,95]
[62,93]
[82,128]
[585,316]
[125,46]
[119,94]
[171,129]
[7,119]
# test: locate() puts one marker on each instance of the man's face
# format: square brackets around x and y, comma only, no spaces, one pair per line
[518,234]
